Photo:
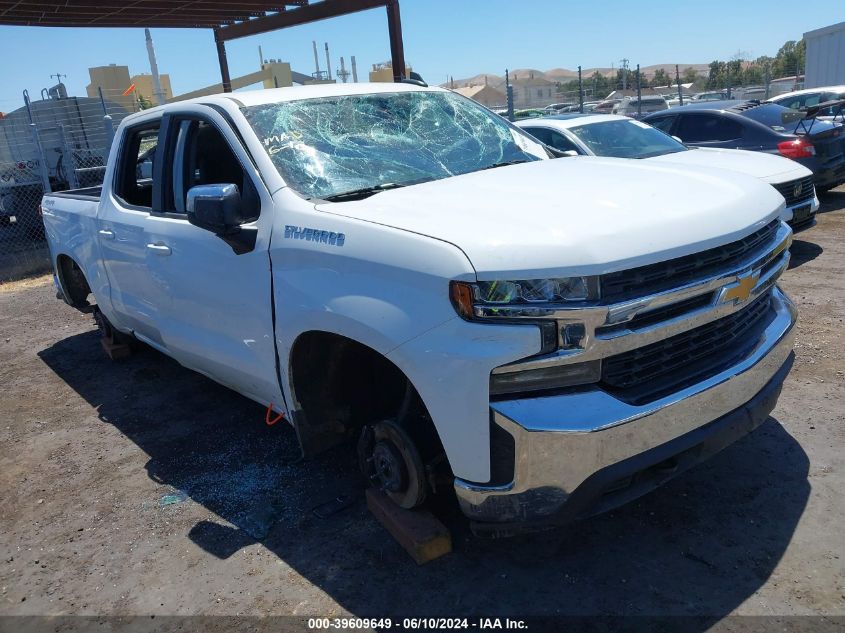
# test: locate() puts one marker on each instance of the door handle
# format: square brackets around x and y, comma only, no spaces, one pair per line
[106,234]
[159,249]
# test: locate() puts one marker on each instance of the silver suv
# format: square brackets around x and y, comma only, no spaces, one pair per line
[638,108]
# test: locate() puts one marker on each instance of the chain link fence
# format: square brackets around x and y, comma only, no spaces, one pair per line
[51,144]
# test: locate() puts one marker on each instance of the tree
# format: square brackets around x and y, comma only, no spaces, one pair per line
[689,75]
[717,74]
[733,72]
[660,78]
[143,102]
[790,59]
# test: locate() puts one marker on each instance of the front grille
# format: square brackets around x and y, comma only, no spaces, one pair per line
[649,372]
[787,190]
[658,315]
[634,282]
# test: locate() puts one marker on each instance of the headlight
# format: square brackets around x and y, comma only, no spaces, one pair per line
[523,299]
[537,302]
[533,290]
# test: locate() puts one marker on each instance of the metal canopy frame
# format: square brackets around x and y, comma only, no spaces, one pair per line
[229,19]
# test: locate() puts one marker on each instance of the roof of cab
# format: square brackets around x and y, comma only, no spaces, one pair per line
[293,93]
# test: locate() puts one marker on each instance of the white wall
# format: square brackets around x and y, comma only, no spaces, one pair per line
[825,56]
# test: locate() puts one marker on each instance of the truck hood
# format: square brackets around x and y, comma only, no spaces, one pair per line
[767,167]
[574,216]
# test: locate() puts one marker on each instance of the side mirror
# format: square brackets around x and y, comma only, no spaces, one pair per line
[215,208]
[677,139]
[569,152]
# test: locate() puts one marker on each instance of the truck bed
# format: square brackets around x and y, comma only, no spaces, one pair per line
[85,193]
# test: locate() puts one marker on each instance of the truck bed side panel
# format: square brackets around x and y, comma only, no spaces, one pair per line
[70,223]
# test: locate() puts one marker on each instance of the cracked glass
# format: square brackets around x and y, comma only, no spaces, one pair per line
[324,147]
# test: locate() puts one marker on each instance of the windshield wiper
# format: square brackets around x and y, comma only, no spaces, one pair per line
[363,192]
[505,163]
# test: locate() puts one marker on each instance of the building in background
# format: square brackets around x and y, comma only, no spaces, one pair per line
[825,63]
[144,86]
[485,94]
[383,72]
[277,74]
[531,91]
[114,80]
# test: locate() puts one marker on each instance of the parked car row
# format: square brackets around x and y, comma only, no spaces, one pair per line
[622,137]
[817,144]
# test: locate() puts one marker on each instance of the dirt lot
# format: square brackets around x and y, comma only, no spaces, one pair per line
[143,488]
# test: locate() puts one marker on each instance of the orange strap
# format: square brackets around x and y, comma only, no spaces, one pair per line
[267,419]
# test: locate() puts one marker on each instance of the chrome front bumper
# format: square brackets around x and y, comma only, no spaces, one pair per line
[562,440]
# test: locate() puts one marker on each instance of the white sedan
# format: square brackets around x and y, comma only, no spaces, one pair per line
[809,97]
[621,137]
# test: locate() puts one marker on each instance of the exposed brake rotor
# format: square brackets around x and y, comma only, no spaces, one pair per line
[391,462]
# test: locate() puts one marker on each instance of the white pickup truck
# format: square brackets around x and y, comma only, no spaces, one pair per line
[397,266]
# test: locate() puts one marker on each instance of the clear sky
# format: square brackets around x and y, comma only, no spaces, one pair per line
[442,38]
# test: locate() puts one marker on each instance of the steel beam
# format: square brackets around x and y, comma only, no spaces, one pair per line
[397,48]
[224,63]
[294,17]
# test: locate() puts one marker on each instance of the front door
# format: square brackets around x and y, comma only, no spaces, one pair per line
[214,305]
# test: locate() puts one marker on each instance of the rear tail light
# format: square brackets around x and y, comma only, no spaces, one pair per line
[799,148]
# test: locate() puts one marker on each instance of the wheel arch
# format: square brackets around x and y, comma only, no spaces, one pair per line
[73,282]
[339,384]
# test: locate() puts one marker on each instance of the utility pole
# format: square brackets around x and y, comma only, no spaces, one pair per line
[728,77]
[580,93]
[678,81]
[624,63]
[509,93]
[639,95]
[58,77]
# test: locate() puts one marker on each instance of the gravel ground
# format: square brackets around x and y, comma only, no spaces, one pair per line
[141,488]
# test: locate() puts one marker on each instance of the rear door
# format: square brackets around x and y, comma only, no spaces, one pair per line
[121,221]
[214,305]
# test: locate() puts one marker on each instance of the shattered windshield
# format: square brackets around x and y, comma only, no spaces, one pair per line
[329,147]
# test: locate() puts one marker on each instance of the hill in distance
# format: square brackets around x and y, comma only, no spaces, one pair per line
[565,74]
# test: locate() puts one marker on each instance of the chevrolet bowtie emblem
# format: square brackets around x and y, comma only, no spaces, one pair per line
[741,290]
